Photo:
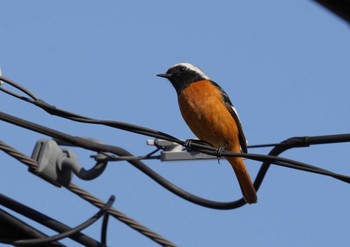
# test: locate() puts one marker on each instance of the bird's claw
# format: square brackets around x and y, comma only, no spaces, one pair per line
[218,152]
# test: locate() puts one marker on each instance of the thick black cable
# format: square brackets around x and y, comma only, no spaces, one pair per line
[46,221]
[74,230]
[296,142]
[104,229]
[88,144]
[12,229]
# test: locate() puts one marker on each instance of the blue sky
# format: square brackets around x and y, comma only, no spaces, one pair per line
[283,63]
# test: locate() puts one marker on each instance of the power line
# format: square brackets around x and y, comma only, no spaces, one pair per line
[107,153]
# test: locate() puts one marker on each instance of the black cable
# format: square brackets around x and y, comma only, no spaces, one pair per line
[46,220]
[81,172]
[12,229]
[74,230]
[296,142]
[79,118]
[263,145]
[88,144]
[104,229]
[19,87]
[267,159]
[98,147]
[114,124]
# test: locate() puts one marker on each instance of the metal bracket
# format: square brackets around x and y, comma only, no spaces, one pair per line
[175,152]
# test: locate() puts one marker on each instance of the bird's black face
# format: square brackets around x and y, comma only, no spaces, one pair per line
[182,75]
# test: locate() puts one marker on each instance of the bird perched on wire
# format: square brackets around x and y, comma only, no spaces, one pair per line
[208,111]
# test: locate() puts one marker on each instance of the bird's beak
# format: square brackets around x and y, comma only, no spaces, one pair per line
[165,75]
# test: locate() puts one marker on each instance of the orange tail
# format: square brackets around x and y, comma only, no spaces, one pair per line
[244,180]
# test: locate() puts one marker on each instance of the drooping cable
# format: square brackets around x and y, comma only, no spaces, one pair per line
[93,219]
[45,220]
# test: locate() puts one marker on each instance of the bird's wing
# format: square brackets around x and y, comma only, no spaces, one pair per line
[232,110]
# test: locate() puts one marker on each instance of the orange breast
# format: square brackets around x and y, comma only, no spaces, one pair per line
[204,111]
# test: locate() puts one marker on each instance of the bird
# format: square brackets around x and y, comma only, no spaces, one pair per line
[209,113]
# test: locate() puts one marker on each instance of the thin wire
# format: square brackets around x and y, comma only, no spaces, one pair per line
[108,157]
[19,87]
[263,145]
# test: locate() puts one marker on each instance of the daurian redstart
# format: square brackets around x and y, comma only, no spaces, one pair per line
[208,111]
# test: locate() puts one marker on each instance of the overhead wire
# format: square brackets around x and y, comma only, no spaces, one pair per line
[117,153]
[297,142]
[98,147]
[104,229]
[79,118]
[84,143]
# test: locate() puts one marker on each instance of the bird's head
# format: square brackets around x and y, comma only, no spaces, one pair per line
[183,74]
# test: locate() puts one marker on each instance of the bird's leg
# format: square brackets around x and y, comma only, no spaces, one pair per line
[218,152]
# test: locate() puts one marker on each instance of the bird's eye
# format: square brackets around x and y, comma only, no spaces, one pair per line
[182,69]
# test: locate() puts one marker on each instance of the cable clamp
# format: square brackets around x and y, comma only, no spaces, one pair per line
[176,152]
[57,165]
[50,157]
